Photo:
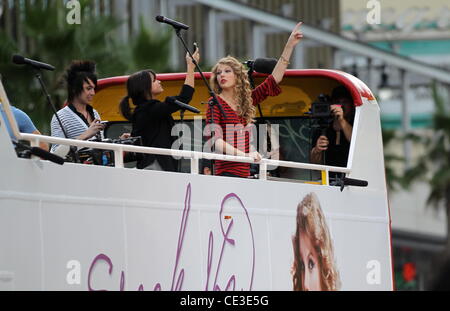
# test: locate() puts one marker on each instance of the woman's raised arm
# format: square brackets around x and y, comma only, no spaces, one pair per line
[283,62]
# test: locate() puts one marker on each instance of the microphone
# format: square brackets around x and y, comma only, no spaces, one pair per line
[355,182]
[20,60]
[44,154]
[264,65]
[47,155]
[175,24]
[345,181]
[182,105]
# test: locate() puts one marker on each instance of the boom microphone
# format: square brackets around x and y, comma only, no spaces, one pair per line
[20,60]
[182,105]
[175,24]
[355,182]
[264,65]
[343,182]
[47,155]
[44,154]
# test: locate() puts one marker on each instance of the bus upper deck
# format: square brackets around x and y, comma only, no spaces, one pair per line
[289,111]
[90,227]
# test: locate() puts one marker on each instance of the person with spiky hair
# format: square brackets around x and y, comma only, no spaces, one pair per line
[79,119]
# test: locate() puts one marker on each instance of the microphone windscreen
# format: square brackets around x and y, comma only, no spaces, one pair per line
[264,65]
[47,155]
[160,18]
[355,182]
[18,59]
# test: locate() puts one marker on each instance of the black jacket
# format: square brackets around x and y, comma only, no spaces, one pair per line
[335,155]
[152,120]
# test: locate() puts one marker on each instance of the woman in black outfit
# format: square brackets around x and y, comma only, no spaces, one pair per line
[151,118]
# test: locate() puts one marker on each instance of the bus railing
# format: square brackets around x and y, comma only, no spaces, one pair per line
[194,156]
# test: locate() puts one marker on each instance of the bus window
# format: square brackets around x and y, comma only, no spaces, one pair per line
[295,136]
[331,139]
[321,137]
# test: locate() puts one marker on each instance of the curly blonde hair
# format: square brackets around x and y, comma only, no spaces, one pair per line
[311,222]
[246,109]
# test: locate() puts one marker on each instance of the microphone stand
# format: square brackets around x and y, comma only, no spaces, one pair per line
[49,102]
[251,70]
[213,102]
[182,111]
[252,82]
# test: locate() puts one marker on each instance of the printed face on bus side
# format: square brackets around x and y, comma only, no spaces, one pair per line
[309,264]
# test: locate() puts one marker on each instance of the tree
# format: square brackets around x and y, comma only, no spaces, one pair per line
[149,50]
[433,166]
[53,40]
[394,179]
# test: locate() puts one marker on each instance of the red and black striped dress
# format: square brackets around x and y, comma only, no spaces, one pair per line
[233,127]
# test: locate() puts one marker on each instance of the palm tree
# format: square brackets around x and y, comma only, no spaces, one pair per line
[394,179]
[149,50]
[53,40]
[433,167]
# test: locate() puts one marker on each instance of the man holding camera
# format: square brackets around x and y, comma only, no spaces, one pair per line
[79,119]
[331,146]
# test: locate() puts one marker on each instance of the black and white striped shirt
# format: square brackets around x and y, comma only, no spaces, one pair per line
[72,123]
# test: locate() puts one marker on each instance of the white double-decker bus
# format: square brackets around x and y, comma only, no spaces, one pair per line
[112,227]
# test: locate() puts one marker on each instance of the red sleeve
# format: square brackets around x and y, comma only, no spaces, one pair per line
[268,88]
[217,119]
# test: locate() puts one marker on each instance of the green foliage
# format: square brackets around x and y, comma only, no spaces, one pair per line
[402,285]
[434,166]
[51,39]
[150,51]
[393,179]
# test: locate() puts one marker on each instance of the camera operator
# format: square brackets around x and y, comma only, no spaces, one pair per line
[80,120]
[331,146]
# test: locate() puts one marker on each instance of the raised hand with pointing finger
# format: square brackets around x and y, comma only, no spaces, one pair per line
[283,62]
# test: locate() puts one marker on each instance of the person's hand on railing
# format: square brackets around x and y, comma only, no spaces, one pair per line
[255,156]
[125,136]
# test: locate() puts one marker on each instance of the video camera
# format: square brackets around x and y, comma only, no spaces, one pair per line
[104,157]
[321,111]
[321,108]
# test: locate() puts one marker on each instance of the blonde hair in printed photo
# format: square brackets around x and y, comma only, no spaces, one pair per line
[313,236]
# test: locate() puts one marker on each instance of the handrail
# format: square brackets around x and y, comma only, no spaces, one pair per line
[193,155]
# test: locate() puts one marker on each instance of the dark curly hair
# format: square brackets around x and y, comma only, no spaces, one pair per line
[79,71]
